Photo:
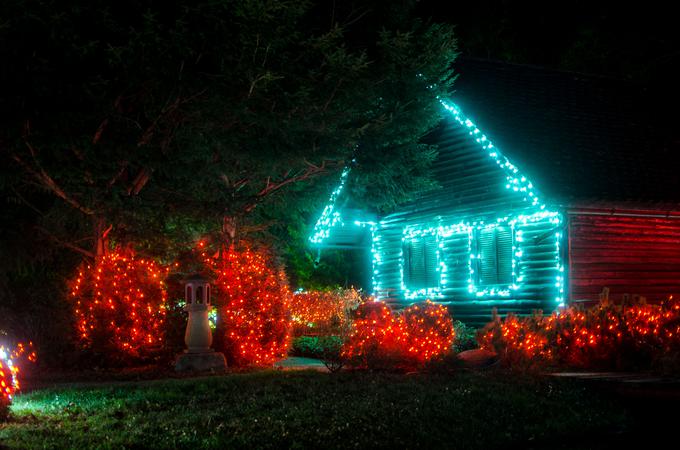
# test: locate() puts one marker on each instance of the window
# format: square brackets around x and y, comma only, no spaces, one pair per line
[421,263]
[494,256]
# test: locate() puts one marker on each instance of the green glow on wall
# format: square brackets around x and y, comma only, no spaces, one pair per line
[444,231]
[515,181]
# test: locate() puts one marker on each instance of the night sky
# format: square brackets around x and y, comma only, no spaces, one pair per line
[635,41]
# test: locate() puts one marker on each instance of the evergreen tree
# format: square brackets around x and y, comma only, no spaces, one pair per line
[147,119]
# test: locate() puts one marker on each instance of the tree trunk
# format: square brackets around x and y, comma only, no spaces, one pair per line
[229,233]
[101,234]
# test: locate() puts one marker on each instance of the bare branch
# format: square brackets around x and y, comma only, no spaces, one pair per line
[166,111]
[27,203]
[65,244]
[312,171]
[139,182]
[332,96]
[46,181]
[100,130]
[116,177]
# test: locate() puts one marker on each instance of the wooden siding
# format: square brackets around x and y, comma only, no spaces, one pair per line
[472,190]
[629,255]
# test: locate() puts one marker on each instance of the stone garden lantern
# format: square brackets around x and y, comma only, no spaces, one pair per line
[198,336]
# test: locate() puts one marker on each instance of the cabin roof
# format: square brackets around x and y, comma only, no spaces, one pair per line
[582,140]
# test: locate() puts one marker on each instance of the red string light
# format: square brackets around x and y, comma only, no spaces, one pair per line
[586,337]
[120,304]
[9,370]
[323,312]
[416,335]
[255,306]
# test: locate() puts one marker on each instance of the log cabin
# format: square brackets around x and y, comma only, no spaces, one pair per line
[553,187]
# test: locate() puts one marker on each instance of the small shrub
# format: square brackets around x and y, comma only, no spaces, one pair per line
[382,339]
[119,306]
[315,346]
[7,385]
[254,307]
[608,336]
[9,373]
[466,337]
[519,342]
[323,312]
[331,352]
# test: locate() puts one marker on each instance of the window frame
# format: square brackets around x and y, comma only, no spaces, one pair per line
[430,290]
[500,286]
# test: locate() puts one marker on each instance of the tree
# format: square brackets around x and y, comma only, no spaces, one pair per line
[169,114]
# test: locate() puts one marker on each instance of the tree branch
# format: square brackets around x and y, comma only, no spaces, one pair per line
[166,111]
[312,171]
[139,182]
[45,180]
[65,244]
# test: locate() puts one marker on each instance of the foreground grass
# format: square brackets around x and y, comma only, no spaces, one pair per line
[309,410]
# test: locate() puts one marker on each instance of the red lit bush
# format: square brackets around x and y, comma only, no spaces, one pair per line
[119,304]
[323,312]
[381,338]
[520,342]
[254,307]
[607,336]
[9,373]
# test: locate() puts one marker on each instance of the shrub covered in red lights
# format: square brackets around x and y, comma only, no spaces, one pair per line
[9,373]
[323,312]
[608,336]
[8,383]
[254,306]
[119,304]
[520,342]
[382,338]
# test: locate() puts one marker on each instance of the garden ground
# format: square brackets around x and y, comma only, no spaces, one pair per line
[309,409]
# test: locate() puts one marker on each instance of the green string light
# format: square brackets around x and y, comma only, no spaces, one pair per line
[515,182]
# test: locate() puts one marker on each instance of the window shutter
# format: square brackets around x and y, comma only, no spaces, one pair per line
[504,254]
[431,273]
[487,252]
[417,265]
[420,263]
[495,256]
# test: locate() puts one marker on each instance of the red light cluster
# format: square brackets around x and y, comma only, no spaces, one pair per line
[595,337]
[417,334]
[255,302]
[323,312]
[120,303]
[9,370]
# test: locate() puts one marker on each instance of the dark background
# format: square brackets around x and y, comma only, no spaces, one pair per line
[635,41]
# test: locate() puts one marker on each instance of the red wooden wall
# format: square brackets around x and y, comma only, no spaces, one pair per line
[633,255]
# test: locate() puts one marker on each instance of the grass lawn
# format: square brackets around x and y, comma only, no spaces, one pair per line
[273,409]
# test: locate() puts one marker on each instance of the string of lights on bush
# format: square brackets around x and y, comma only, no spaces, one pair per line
[120,303]
[409,338]
[255,306]
[587,338]
[324,312]
[9,370]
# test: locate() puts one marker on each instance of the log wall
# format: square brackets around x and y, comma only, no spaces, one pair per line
[629,255]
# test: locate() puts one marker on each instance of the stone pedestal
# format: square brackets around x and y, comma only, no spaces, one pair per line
[200,361]
[199,356]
